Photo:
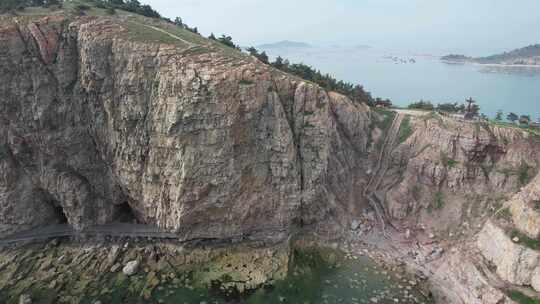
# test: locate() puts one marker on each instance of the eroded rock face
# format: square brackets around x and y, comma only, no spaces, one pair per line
[458,171]
[459,281]
[524,207]
[196,142]
[515,263]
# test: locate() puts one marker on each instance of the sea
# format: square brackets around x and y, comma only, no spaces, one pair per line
[405,77]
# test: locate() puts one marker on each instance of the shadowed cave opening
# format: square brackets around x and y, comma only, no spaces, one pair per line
[123,213]
[59,215]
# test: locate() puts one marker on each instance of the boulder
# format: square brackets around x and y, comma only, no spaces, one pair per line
[131,268]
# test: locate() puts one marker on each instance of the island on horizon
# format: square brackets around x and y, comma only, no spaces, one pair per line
[526,56]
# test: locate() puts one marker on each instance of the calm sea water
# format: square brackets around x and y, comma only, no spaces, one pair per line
[516,90]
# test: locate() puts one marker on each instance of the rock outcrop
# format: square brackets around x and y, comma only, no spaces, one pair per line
[525,209]
[515,263]
[193,139]
[458,280]
[458,171]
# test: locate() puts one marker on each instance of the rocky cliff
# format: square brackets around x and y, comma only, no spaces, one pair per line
[124,118]
[452,174]
[198,139]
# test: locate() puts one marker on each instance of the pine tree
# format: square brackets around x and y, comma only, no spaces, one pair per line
[512,117]
[499,115]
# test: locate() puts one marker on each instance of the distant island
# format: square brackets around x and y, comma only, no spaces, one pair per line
[529,55]
[284,44]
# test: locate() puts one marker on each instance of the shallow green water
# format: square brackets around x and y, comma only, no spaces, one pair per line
[312,279]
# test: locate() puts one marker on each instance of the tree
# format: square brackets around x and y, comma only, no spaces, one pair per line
[148,11]
[178,22]
[132,5]
[499,115]
[278,63]
[525,119]
[512,117]
[228,41]
[449,107]
[263,57]
[252,51]
[359,95]
[422,105]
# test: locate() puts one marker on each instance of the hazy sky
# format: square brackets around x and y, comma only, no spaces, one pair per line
[475,27]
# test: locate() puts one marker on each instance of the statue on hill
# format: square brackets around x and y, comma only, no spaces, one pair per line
[472,109]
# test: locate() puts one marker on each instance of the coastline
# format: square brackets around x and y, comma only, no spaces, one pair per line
[502,65]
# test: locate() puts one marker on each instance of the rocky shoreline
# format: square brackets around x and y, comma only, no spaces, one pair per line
[138,271]
[67,271]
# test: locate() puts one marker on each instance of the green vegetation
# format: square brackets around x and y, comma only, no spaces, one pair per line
[521,298]
[140,32]
[422,105]
[225,40]
[355,92]
[499,115]
[504,214]
[110,6]
[263,57]
[405,130]
[534,130]
[472,108]
[176,28]
[525,240]
[536,205]
[245,82]
[133,6]
[437,203]
[387,118]
[512,117]
[451,163]
[523,174]
[448,162]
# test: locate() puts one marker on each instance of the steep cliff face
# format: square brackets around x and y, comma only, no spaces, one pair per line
[192,138]
[463,171]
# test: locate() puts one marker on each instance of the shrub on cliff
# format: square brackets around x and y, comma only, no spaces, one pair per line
[422,105]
